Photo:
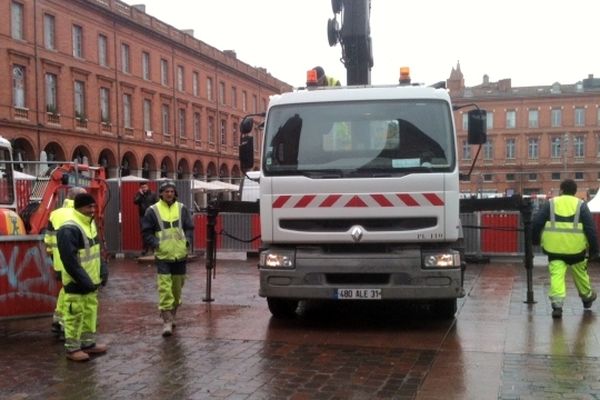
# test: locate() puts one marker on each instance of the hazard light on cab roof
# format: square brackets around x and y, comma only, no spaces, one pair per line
[311,77]
[404,75]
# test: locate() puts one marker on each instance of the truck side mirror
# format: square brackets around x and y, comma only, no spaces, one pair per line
[246,151]
[477,127]
[246,125]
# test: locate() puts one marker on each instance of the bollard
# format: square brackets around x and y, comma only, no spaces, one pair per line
[525,208]
[211,246]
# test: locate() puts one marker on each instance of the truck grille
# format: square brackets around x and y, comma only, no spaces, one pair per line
[343,225]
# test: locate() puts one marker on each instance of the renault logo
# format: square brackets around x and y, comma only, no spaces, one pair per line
[356,232]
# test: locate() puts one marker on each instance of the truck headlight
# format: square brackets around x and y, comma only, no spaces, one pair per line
[449,259]
[277,259]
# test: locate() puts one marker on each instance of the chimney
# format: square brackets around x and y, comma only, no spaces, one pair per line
[230,53]
[188,32]
[140,7]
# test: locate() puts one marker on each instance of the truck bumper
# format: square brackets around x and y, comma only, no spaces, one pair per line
[399,276]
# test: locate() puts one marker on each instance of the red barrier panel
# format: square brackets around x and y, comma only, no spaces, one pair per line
[255,229]
[199,231]
[23,187]
[131,237]
[502,240]
[27,283]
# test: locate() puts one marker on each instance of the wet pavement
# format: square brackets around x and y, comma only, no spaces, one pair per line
[497,347]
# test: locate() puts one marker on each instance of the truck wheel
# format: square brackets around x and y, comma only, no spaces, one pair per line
[445,308]
[282,308]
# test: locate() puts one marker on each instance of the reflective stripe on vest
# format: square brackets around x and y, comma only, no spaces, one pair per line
[89,256]
[171,237]
[563,232]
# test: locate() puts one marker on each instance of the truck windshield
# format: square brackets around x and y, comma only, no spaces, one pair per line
[356,139]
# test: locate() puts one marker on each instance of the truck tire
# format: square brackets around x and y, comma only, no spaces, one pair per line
[282,308]
[444,308]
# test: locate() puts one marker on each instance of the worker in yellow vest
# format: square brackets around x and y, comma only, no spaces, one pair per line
[567,233]
[324,80]
[84,271]
[55,221]
[168,230]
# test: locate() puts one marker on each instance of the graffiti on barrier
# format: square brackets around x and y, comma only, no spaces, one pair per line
[27,283]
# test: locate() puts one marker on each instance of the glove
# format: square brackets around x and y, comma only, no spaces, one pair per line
[103,274]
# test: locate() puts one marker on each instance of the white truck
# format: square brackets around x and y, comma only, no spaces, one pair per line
[359,196]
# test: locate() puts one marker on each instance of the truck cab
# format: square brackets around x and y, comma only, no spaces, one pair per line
[359,197]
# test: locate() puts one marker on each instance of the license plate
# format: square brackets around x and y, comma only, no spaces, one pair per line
[358,294]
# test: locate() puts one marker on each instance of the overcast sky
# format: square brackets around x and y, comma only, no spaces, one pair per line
[533,42]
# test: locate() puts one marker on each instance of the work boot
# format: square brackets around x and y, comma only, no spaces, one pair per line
[97,348]
[77,355]
[167,317]
[556,311]
[587,303]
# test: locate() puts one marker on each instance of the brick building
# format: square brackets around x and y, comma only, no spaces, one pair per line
[103,82]
[537,136]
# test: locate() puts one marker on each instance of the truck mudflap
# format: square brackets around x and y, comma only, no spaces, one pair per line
[28,286]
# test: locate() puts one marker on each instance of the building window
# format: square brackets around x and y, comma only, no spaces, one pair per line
[164,72]
[534,119]
[234,134]
[532,177]
[181,122]
[488,150]
[245,101]
[555,176]
[195,87]
[579,176]
[125,58]
[103,50]
[79,97]
[466,150]
[510,177]
[18,75]
[490,120]
[49,29]
[465,121]
[511,119]
[580,116]
[488,177]
[209,88]
[147,115]
[233,97]
[556,117]
[16,21]
[511,149]
[146,65]
[223,131]
[197,126]
[127,111]
[533,150]
[556,147]
[579,146]
[211,130]
[264,105]
[51,94]
[598,117]
[77,34]
[166,119]
[180,80]
[254,103]
[105,105]
[222,92]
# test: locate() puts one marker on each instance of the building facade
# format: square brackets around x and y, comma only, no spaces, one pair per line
[537,136]
[104,83]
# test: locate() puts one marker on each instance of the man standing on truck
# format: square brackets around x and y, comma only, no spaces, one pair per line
[566,231]
[55,221]
[168,229]
[84,271]
[324,80]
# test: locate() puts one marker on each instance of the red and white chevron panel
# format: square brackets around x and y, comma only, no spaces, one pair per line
[358,200]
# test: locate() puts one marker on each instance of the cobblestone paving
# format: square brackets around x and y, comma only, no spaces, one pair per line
[498,347]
